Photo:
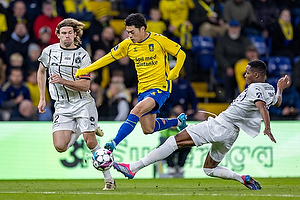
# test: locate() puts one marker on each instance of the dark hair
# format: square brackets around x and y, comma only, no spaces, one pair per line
[137,20]
[258,66]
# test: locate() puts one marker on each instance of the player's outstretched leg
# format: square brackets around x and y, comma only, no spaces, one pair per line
[251,183]
[182,117]
[124,169]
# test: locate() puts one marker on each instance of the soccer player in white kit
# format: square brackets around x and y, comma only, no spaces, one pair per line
[245,113]
[75,109]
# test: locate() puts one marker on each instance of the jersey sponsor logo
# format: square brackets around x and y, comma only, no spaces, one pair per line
[116,48]
[151,47]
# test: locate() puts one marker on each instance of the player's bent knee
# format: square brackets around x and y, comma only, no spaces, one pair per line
[208,171]
[60,148]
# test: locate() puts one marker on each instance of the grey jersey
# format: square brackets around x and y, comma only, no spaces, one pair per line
[65,62]
[243,113]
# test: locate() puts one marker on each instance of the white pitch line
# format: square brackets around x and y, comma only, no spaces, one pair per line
[152,194]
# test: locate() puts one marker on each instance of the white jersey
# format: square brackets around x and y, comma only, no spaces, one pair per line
[243,113]
[65,62]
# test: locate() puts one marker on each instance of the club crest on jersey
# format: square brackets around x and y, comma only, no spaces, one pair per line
[116,48]
[78,60]
[151,47]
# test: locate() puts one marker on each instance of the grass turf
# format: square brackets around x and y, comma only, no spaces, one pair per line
[209,188]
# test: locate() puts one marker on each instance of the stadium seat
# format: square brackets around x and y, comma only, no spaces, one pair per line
[203,50]
[260,43]
[279,66]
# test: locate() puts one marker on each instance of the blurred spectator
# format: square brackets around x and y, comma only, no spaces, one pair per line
[174,168]
[290,106]
[19,41]
[16,60]
[176,15]
[47,20]
[2,72]
[33,87]
[182,94]
[283,34]
[15,98]
[155,24]
[207,19]
[266,13]
[102,75]
[97,25]
[292,5]
[44,37]
[105,41]
[125,66]
[19,15]
[4,34]
[58,8]
[242,11]
[116,100]
[229,49]
[240,66]
[100,80]
[34,52]
[118,105]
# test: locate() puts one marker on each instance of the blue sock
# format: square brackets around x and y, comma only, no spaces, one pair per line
[126,128]
[169,122]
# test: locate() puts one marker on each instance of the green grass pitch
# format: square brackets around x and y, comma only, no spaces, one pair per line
[166,189]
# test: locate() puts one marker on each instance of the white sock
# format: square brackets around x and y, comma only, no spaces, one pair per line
[163,151]
[95,148]
[74,137]
[223,172]
[107,176]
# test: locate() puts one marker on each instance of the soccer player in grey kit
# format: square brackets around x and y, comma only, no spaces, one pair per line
[75,109]
[245,112]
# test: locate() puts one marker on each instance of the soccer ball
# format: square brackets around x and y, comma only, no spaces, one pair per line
[102,159]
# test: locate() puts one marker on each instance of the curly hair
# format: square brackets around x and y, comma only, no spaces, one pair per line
[77,26]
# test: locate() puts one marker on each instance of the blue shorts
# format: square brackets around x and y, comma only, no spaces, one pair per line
[158,95]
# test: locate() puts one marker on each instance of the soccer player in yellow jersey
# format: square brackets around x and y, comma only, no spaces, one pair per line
[149,51]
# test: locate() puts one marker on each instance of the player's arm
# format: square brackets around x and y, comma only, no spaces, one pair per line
[261,105]
[102,62]
[282,83]
[174,73]
[41,79]
[77,85]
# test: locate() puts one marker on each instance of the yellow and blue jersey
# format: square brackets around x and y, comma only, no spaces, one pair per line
[151,60]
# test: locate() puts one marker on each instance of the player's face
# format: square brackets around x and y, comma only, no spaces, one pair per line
[250,75]
[67,36]
[136,34]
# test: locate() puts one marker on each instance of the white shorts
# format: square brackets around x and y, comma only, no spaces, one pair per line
[211,131]
[80,115]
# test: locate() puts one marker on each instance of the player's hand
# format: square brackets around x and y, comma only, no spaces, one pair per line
[79,73]
[284,82]
[267,132]
[41,106]
[110,145]
[55,78]
[172,75]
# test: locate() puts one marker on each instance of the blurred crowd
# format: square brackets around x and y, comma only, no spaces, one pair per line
[219,38]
